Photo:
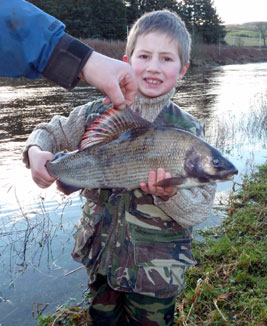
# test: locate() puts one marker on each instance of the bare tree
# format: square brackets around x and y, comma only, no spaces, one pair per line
[262,28]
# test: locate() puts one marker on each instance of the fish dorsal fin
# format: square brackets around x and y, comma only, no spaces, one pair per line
[110,125]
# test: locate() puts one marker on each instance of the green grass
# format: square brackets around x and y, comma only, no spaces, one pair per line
[243,35]
[228,287]
[239,39]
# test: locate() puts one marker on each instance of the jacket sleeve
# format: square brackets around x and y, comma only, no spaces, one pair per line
[34,43]
[189,207]
[59,134]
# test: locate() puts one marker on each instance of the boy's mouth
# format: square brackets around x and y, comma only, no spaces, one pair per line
[153,81]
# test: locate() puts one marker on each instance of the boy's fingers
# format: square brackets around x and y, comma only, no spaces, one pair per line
[152,178]
[169,190]
[155,176]
[144,187]
[167,175]
[160,174]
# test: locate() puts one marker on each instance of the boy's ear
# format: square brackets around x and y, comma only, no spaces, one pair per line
[125,59]
[184,70]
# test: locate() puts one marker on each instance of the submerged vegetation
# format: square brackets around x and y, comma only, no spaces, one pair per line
[229,284]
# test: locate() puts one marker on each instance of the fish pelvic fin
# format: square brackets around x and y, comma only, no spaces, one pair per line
[65,188]
[110,125]
[174,181]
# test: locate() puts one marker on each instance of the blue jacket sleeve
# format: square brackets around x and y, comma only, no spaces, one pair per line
[27,39]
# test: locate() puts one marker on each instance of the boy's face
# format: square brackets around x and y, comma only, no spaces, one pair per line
[156,64]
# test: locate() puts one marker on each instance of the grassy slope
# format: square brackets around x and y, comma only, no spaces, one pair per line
[243,35]
[228,287]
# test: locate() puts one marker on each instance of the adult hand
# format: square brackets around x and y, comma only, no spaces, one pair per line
[163,192]
[38,159]
[113,77]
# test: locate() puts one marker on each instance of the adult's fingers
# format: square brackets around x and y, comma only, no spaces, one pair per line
[128,88]
[121,94]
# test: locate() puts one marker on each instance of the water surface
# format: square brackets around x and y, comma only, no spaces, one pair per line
[36,225]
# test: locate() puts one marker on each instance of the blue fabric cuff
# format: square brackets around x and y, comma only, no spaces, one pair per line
[67,61]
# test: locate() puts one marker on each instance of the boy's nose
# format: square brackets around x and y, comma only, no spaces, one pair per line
[154,65]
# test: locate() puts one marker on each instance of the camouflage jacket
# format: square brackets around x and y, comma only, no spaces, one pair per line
[128,237]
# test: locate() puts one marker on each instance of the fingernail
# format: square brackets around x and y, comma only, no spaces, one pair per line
[121,107]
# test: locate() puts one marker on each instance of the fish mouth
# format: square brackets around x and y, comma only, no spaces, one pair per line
[229,177]
[225,175]
[205,172]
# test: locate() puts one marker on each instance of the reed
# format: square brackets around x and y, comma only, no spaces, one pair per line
[250,128]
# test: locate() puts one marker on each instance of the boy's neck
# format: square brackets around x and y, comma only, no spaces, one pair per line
[149,108]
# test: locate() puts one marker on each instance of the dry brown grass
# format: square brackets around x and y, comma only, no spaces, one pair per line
[202,54]
[113,49]
[221,55]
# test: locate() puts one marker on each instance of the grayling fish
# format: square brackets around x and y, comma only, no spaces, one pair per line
[120,148]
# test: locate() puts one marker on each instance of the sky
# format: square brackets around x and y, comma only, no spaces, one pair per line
[241,11]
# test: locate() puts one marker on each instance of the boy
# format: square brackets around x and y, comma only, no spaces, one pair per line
[136,245]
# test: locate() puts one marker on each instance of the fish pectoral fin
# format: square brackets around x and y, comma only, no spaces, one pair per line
[174,181]
[65,188]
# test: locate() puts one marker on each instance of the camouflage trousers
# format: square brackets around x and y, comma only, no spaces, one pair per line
[114,308]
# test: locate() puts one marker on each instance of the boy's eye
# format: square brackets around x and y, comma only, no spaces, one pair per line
[143,56]
[167,59]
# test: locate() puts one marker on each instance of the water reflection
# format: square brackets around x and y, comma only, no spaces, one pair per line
[230,102]
[30,232]
[194,92]
[36,225]
[25,103]
[35,263]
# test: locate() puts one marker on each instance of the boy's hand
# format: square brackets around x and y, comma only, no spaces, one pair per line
[163,192]
[37,159]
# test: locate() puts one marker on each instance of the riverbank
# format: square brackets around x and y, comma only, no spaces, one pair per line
[202,54]
[228,284]
[220,55]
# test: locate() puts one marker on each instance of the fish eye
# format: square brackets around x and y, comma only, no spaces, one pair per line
[215,162]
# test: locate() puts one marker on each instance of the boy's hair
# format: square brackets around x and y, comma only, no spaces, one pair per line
[166,22]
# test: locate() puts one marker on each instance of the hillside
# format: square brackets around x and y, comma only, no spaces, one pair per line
[247,34]
[242,46]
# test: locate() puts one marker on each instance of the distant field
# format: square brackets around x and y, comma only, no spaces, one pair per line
[243,35]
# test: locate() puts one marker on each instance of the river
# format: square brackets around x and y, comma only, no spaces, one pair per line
[36,225]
